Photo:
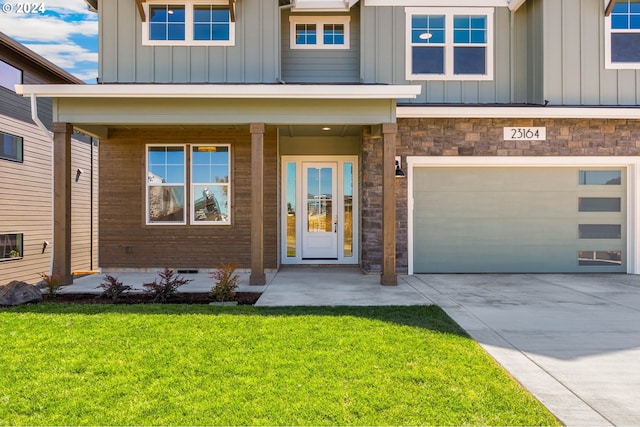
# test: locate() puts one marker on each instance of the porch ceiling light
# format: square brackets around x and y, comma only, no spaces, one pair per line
[326,128]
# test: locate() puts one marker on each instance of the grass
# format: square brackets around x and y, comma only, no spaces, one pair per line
[203,365]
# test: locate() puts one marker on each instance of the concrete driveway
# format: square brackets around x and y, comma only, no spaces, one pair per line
[572,340]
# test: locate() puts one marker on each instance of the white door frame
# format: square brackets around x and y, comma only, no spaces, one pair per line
[339,201]
[632,165]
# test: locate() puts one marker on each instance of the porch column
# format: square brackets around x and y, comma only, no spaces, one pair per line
[62,201]
[389,276]
[257,204]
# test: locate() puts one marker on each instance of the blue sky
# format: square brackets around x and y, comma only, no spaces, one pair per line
[66,33]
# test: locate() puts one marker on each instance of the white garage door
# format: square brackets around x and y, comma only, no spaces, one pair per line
[519,219]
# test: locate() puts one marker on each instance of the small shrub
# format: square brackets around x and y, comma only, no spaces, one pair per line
[113,288]
[167,287]
[226,283]
[51,282]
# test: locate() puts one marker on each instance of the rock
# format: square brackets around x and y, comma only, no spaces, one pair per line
[16,293]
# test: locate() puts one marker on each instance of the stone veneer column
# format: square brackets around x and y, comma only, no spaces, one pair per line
[257,204]
[62,201]
[389,276]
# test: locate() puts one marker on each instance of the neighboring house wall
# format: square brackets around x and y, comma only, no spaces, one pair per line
[574,58]
[26,187]
[127,242]
[253,59]
[321,65]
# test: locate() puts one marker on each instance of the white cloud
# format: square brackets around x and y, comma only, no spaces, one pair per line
[64,55]
[51,36]
[44,28]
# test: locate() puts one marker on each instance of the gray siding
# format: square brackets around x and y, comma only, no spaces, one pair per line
[383,59]
[253,59]
[321,66]
[528,70]
[574,72]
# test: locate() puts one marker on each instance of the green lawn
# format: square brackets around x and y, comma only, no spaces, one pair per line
[203,365]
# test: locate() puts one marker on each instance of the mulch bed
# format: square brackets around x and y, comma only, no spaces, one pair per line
[243,298]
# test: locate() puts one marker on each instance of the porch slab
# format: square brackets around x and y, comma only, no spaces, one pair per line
[333,286]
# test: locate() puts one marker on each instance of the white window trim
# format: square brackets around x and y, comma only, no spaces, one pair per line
[192,186]
[320,21]
[632,165]
[188,31]
[608,64]
[146,185]
[449,12]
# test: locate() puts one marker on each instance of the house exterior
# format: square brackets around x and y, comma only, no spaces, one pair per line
[269,133]
[26,197]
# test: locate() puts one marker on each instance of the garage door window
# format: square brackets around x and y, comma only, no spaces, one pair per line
[599,177]
[599,204]
[600,258]
[599,231]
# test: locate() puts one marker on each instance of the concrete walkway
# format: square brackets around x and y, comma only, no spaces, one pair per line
[572,340]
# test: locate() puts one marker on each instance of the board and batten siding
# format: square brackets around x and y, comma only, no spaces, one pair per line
[383,39]
[127,242]
[253,59]
[321,65]
[574,59]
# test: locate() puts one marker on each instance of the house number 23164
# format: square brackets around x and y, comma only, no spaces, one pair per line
[525,134]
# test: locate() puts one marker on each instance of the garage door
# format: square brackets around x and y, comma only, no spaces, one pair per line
[519,220]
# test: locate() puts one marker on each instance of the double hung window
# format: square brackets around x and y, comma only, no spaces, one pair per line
[449,44]
[167,182]
[622,35]
[188,23]
[319,32]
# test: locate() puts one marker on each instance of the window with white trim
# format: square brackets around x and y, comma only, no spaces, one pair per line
[622,35]
[188,23]
[449,43]
[319,32]
[210,184]
[208,181]
[166,178]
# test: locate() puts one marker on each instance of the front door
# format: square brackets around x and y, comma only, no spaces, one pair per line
[319,210]
[320,219]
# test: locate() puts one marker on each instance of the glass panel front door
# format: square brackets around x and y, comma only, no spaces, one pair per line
[320,231]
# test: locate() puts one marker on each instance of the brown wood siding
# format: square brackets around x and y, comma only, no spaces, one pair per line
[84,234]
[125,239]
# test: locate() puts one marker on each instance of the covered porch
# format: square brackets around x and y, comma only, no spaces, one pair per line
[258,111]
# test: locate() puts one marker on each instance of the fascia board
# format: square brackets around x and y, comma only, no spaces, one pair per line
[223,91]
[464,112]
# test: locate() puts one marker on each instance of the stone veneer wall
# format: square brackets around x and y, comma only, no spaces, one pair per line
[473,137]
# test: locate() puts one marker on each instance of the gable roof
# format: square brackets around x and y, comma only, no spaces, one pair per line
[36,60]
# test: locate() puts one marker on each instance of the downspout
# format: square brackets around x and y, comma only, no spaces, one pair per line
[49,136]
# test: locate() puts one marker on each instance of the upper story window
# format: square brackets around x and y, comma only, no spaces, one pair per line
[319,32]
[622,33]
[11,147]
[449,44]
[188,23]
[9,76]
